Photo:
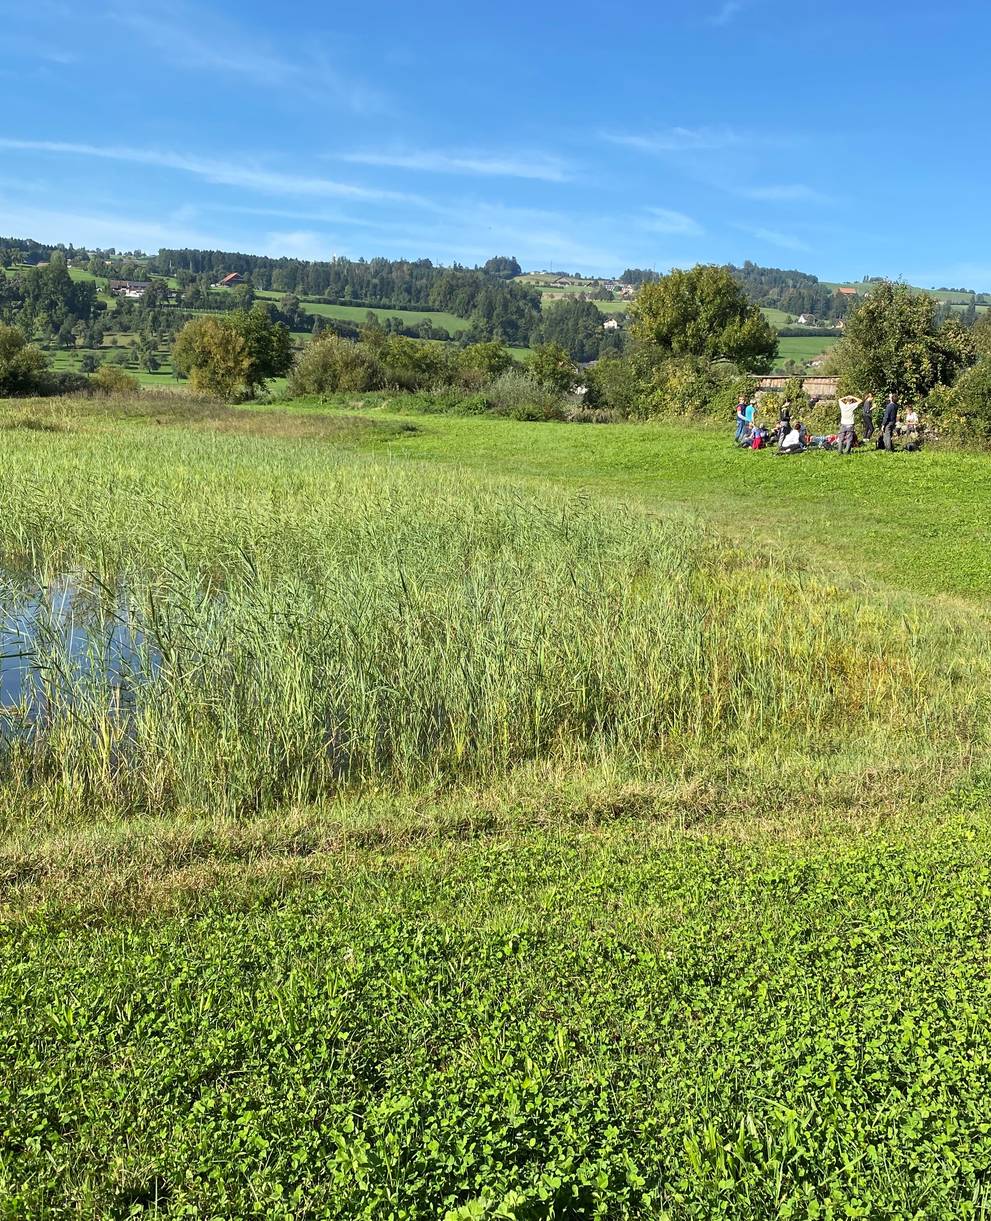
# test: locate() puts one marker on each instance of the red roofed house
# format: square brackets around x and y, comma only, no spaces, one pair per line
[847,292]
[231,281]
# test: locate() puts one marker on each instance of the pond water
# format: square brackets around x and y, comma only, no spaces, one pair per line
[60,636]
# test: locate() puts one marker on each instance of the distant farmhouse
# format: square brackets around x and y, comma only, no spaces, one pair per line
[610,324]
[847,292]
[231,281]
[805,320]
[132,290]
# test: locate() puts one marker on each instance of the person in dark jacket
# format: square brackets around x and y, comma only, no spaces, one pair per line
[784,421]
[888,422]
[867,412]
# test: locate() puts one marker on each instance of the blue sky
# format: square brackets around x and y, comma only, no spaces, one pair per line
[842,138]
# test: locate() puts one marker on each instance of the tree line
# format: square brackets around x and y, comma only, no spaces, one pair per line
[492,304]
[794,292]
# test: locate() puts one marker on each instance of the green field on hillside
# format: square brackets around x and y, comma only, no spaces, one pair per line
[358,314]
[800,348]
[71,361]
[946,295]
[488,819]
[776,317]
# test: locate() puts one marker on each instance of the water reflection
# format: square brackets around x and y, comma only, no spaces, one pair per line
[63,638]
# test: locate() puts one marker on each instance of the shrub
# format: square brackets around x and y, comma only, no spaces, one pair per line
[552,366]
[963,411]
[111,379]
[65,382]
[731,388]
[822,416]
[23,368]
[614,384]
[586,413]
[445,401]
[478,364]
[331,364]
[521,397]
[681,386]
[794,392]
[409,364]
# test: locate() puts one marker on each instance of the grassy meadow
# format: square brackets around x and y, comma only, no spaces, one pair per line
[503,821]
[802,348]
[359,314]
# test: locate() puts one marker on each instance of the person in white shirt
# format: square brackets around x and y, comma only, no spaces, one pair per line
[848,414]
[792,444]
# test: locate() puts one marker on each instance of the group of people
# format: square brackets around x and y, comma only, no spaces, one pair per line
[792,437]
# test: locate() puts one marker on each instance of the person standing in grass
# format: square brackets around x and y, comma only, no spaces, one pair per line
[848,408]
[749,412]
[867,412]
[889,421]
[741,419]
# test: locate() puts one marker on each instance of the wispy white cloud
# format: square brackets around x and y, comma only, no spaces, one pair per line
[97,228]
[783,192]
[726,12]
[677,139]
[663,220]
[299,244]
[192,39]
[542,166]
[784,241]
[239,174]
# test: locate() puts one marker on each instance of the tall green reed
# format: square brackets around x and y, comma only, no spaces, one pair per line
[318,622]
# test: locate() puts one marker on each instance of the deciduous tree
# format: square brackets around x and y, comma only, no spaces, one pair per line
[704,313]
[232,355]
[213,356]
[894,342]
[552,366]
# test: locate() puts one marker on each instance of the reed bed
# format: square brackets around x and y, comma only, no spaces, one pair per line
[316,621]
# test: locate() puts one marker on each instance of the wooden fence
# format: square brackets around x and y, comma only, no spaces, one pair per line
[814,387]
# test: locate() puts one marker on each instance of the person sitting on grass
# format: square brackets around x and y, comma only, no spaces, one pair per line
[848,408]
[793,443]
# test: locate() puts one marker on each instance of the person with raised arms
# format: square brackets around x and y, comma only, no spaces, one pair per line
[848,407]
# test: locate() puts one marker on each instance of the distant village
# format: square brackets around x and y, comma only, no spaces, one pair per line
[134,290]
